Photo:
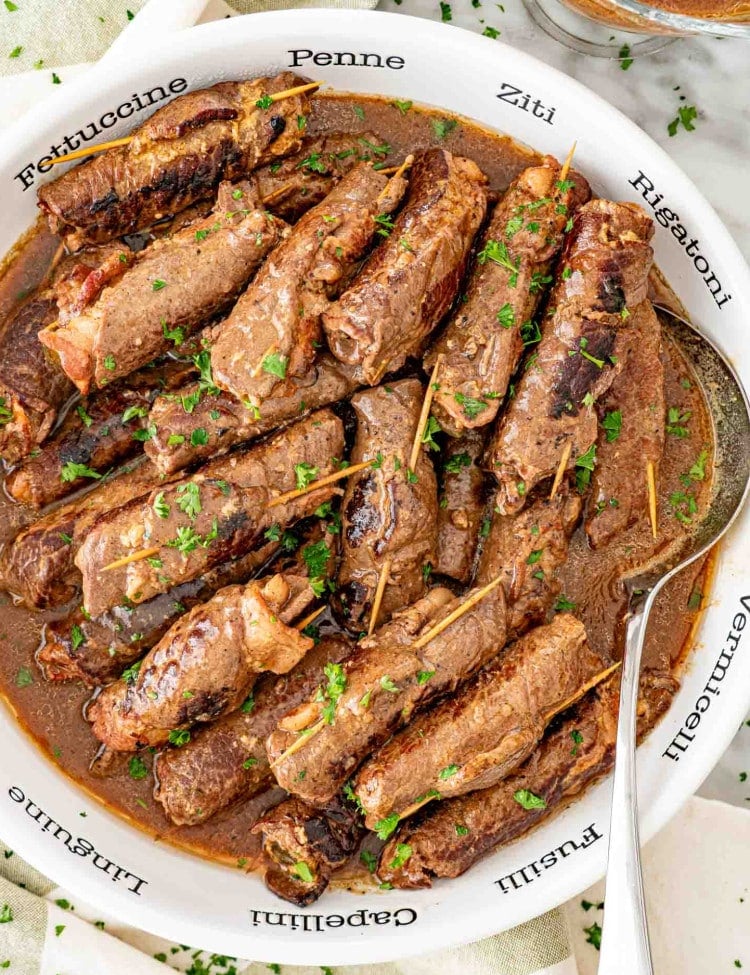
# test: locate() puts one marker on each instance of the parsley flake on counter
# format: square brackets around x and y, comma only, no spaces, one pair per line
[492,32]
[528,800]
[6,914]
[446,14]
[624,56]
[594,935]
[686,115]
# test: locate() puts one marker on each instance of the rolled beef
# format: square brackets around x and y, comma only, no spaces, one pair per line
[410,281]
[178,156]
[388,511]
[483,341]
[602,278]
[485,731]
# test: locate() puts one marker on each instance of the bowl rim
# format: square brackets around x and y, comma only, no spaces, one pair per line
[388,946]
[683,23]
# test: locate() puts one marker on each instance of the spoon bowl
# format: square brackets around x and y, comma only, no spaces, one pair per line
[625,948]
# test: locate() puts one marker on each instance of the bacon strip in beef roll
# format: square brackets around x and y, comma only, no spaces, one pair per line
[483,341]
[586,337]
[410,281]
[176,157]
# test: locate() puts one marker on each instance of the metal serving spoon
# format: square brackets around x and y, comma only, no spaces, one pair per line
[625,948]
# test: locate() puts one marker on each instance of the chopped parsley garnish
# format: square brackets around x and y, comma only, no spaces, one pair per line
[71,471]
[533,557]
[316,556]
[528,800]
[264,102]
[388,684]
[612,425]
[249,763]
[175,439]
[403,107]
[538,281]
[456,462]
[161,506]
[333,690]
[424,675]
[577,739]
[564,605]
[248,704]
[24,677]
[448,772]
[384,223]
[381,150]
[492,32]
[443,127]
[698,471]
[179,737]
[137,769]
[428,434]
[83,416]
[497,252]
[134,412]
[158,284]
[676,422]
[530,333]
[199,437]
[303,871]
[359,112]
[683,506]
[369,860]
[403,852]
[305,474]
[461,830]
[506,316]
[584,466]
[130,674]
[202,363]
[144,434]
[177,334]
[189,499]
[471,407]
[385,827]
[77,637]
[624,56]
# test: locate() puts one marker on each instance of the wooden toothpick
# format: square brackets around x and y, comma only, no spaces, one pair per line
[561,467]
[322,482]
[144,553]
[424,414]
[379,591]
[457,613]
[651,484]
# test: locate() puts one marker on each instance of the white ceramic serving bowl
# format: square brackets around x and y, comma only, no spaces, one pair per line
[195,902]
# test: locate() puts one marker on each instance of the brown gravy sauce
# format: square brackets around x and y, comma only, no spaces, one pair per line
[52,714]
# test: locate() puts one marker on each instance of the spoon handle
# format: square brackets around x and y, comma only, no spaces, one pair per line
[625,948]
